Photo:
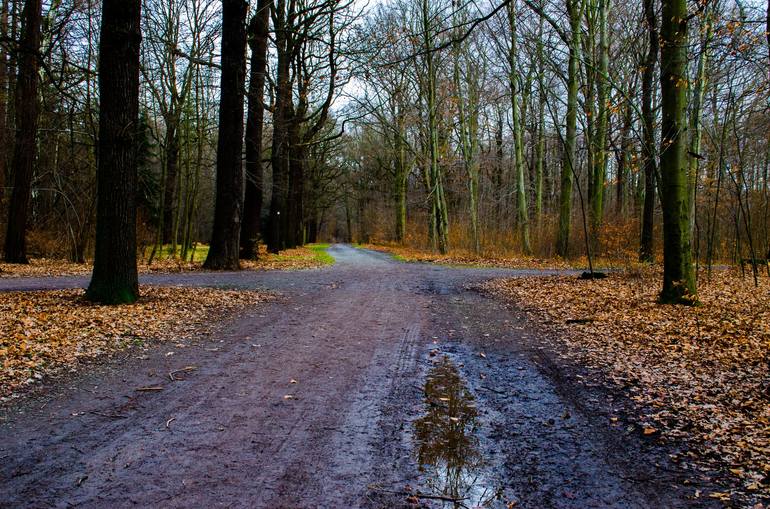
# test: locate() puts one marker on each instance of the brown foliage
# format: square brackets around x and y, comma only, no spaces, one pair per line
[698,375]
[49,331]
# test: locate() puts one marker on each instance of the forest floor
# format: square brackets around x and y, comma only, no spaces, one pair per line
[307,257]
[498,259]
[48,333]
[700,376]
[369,383]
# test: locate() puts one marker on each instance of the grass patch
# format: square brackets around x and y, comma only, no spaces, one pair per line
[321,256]
[197,254]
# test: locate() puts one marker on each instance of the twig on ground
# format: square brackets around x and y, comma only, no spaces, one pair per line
[187,369]
[424,496]
[111,416]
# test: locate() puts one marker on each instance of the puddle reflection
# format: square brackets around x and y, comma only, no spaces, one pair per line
[447,441]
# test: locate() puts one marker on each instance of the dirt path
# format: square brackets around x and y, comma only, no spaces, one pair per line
[320,400]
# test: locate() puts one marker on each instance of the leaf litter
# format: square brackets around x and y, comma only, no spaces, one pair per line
[699,376]
[46,332]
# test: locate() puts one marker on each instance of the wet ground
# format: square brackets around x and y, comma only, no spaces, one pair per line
[372,384]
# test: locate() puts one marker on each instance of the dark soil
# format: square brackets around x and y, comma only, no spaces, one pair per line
[372,384]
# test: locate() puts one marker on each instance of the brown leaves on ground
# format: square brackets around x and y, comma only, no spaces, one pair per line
[44,267]
[491,258]
[290,259]
[46,332]
[701,375]
[463,257]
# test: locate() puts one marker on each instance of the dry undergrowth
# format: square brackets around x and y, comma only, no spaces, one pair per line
[491,259]
[46,332]
[44,267]
[291,259]
[698,374]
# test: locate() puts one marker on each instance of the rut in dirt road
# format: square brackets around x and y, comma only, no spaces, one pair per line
[364,387]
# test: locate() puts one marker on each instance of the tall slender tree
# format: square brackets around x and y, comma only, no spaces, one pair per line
[115,279]
[678,274]
[25,148]
[252,207]
[228,210]
[646,245]
[517,125]
[575,11]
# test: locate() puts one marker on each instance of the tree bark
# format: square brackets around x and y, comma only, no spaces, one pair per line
[3,100]
[570,142]
[600,138]
[646,244]
[228,210]
[252,207]
[115,279]
[517,121]
[696,116]
[678,275]
[281,113]
[170,186]
[25,148]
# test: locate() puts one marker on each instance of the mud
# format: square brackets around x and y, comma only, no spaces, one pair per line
[372,384]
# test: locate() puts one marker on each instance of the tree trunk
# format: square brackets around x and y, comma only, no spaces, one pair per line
[225,241]
[25,148]
[281,114]
[3,100]
[678,274]
[570,142]
[646,245]
[623,160]
[696,114]
[467,116]
[294,234]
[252,207]
[435,172]
[115,279]
[540,142]
[170,186]
[401,176]
[600,139]
[522,211]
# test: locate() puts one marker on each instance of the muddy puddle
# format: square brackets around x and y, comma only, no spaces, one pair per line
[453,469]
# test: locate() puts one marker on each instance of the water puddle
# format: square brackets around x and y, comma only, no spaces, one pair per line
[448,444]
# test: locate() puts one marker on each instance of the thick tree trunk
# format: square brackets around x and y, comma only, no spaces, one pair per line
[225,240]
[252,207]
[280,150]
[678,274]
[25,148]
[646,245]
[3,101]
[294,234]
[115,279]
